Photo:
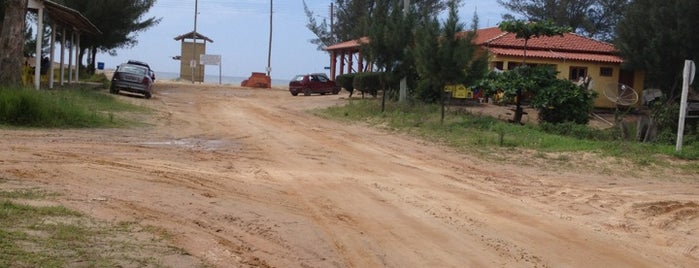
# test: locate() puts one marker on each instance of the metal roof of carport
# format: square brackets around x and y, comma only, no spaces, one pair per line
[70,17]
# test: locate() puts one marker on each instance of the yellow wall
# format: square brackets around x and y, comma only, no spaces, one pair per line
[599,83]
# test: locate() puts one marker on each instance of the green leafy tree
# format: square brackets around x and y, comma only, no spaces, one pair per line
[657,36]
[558,101]
[528,30]
[11,47]
[446,55]
[391,35]
[353,18]
[592,18]
[120,22]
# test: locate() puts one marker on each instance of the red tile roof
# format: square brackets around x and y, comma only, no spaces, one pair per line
[561,55]
[354,44]
[569,46]
[487,34]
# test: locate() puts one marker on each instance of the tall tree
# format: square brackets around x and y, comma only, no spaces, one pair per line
[391,35]
[527,30]
[352,19]
[119,20]
[446,54]
[592,18]
[657,36]
[11,47]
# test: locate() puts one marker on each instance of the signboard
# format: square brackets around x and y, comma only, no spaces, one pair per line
[459,91]
[205,59]
[688,78]
[209,59]
[692,72]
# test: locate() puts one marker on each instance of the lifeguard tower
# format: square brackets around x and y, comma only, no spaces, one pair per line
[193,46]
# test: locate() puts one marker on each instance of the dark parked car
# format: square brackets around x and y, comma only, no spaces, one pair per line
[136,62]
[312,83]
[132,78]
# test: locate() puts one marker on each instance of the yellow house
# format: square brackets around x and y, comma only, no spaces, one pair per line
[574,57]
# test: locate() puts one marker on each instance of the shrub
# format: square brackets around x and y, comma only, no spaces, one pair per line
[368,82]
[428,92]
[346,81]
[562,101]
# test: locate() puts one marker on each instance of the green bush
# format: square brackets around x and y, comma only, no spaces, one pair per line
[368,82]
[428,91]
[346,81]
[562,101]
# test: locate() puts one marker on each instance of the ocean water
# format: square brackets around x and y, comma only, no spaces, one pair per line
[214,79]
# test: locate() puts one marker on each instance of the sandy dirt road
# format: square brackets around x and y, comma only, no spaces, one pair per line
[247,178]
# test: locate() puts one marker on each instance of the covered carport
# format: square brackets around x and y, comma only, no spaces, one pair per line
[69,20]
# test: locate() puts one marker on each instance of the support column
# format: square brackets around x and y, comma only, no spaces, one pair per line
[37,57]
[70,57]
[333,64]
[63,52]
[77,58]
[52,53]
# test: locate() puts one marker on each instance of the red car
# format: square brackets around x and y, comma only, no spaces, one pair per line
[313,83]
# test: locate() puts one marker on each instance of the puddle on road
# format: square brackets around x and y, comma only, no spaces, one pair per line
[197,144]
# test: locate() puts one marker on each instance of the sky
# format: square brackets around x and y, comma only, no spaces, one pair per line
[240,31]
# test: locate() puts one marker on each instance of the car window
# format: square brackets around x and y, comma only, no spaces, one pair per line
[322,78]
[298,78]
[139,63]
[133,69]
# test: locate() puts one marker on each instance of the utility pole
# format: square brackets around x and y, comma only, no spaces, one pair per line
[332,19]
[269,52]
[193,62]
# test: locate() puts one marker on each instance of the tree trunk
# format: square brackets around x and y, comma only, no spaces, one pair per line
[11,47]
[91,64]
[519,112]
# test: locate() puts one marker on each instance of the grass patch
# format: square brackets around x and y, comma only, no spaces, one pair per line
[55,236]
[64,108]
[491,137]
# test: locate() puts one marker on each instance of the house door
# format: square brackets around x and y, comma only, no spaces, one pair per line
[626,77]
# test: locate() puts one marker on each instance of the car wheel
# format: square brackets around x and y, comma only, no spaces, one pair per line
[307,92]
[148,95]
[113,90]
[294,93]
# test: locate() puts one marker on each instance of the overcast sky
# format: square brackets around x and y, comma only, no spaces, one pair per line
[240,31]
